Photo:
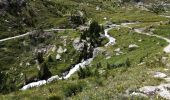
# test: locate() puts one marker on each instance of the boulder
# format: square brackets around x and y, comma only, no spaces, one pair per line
[138,94]
[78,45]
[58,57]
[60,50]
[97,51]
[149,90]
[159,75]
[117,50]
[133,46]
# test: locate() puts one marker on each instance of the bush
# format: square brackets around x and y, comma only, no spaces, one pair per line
[55,97]
[6,85]
[84,73]
[73,89]
[40,57]
[117,65]
[44,72]
[157,8]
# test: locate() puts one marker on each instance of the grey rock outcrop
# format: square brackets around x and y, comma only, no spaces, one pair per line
[78,45]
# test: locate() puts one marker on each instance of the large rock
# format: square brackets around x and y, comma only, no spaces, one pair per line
[149,90]
[58,57]
[133,46]
[60,50]
[159,75]
[78,45]
[139,94]
[97,51]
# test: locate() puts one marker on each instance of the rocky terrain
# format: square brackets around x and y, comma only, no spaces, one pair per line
[84,49]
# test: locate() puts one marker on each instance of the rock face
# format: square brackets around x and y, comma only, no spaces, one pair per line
[149,90]
[60,50]
[78,45]
[97,51]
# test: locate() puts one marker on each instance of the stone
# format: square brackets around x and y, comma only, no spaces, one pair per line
[97,51]
[167,79]
[117,50]
[78,45]
[65,50]
[60,50]
[97,8]
[54,48]
[133,46]
[149,90]
[140,40]
[108,57]
[138,94]
[165,94]
[159,75]
[104,18]
[58,57]
[117,54]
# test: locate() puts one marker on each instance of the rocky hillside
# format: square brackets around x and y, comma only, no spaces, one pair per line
[84,49]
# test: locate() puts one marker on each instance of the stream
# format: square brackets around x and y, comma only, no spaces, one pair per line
[83,64]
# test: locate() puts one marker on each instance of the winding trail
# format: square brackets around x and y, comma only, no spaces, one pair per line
[28,33]
[83,64]
[10,38]
[165,16]
[74,69]
[166,49]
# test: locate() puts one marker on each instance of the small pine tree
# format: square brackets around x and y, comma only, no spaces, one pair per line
[40,57]
[127,62]
[108,66]
[44,72]
[50,59]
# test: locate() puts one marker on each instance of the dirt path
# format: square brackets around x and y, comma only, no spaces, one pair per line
[141,31]
[28,33]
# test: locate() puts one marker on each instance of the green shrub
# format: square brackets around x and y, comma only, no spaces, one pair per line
[126,63]
[73,89]
[84,73]
[55,97]
[157,8]
[44,72]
